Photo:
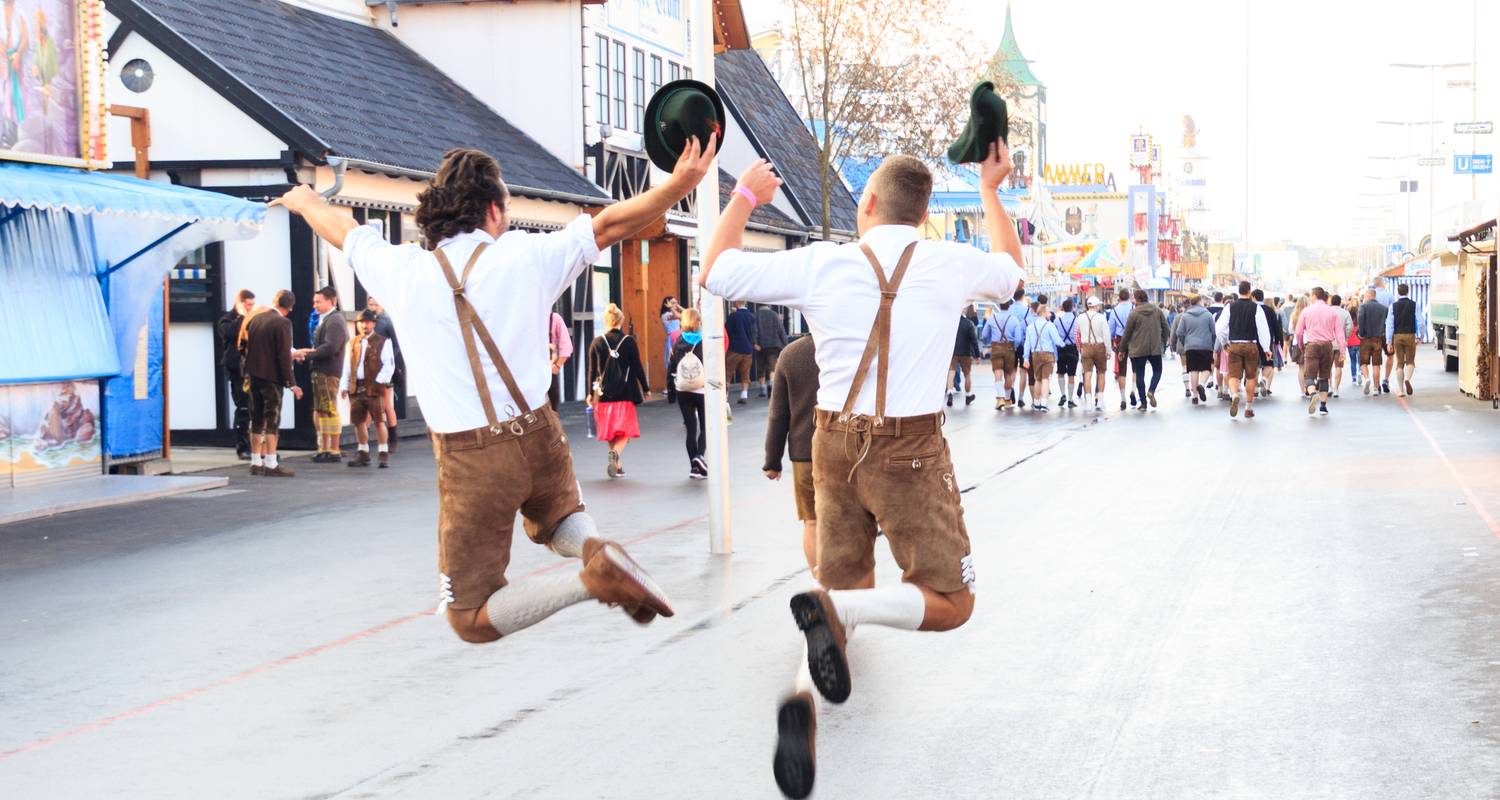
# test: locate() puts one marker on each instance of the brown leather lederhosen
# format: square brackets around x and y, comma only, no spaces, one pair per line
[892,474]
[487,474]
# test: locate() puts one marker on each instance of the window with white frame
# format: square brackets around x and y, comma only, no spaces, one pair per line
[619,87]
[601,87]
[675,70]
[639,79]
[655,73]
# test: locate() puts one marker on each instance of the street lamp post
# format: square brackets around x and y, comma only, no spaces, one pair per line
[715,392]
[1407,158]
[1431,124]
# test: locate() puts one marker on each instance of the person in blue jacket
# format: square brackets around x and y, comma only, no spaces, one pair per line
[1042,343]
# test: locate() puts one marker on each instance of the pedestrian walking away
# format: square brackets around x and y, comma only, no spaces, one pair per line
[1243,335]
[961,366]
[1384,297]
[1020,310]
[770,339]
[885,302]
[325,360]
[560,348]
[1401,326]
[1005,336]
[1347,352]
[1319,334]
[740,327]
[490,468]
[1118,316]
[1095,350]
[232,362]
[365,384]
[1067,354]
[1042,344]
[789,432]
[265,342]
[1193,336]
[1370,326]
[688,376]
[1271,359]
[1221,357]
[617,381]
[1145,338]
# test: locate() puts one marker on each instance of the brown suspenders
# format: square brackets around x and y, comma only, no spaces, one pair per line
[470,324]
[879,343]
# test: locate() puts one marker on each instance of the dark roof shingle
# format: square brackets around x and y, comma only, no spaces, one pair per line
[354,89]
[754,97]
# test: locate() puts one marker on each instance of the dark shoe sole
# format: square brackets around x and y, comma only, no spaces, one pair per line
[794,767]
[825,659]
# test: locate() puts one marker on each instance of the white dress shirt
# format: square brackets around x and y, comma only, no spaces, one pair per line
[387,365]
[1093,328]
[512,288]
[835,289]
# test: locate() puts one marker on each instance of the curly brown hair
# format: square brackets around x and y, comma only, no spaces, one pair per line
[458,198]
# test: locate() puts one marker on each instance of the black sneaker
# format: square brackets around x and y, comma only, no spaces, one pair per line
[1132,400]
[1079,393]
[1072,404]
[742,401]
[1323,409]
[1385,387]
[1021,403]
[950,399]
[795,764]
[969,400]
[1122,405]
[1202,393]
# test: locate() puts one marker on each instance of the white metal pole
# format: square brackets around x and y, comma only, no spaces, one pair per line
[715,399]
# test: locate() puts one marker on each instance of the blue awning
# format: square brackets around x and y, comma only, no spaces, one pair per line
[47,188]
[83,256]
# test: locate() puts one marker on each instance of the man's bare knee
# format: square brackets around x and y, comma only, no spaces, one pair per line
[951,610]
[472,625]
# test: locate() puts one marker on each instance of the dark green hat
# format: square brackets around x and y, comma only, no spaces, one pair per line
[988,121]
[677,112]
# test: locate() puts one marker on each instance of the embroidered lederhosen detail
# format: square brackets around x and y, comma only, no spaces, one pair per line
[877,348]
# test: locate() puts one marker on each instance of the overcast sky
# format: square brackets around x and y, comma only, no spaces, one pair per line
[1319,80]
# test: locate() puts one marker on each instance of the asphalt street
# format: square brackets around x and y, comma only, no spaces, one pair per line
[1171,604]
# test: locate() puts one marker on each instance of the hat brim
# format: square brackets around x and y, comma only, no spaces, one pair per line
[657,149]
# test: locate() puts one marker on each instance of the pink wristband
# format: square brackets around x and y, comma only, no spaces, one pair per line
[748,195]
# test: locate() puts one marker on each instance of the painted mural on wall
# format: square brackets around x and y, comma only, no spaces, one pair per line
[39,97]
[48,426]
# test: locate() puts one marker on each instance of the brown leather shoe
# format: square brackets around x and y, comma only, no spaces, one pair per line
[796,759]
[385,460]
[281,471]
[819,622]
[256,469]
[613,578]
[361,459]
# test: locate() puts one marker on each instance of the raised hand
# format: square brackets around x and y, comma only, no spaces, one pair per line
[761,180]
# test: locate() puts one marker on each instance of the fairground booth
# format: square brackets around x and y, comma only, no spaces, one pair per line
[84,258]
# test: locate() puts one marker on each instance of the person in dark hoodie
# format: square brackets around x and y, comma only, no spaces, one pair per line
[1145,338]
[965,350]
[1193,336]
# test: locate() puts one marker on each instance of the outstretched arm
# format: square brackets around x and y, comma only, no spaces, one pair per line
[992,172]
[729,231]
[624,219]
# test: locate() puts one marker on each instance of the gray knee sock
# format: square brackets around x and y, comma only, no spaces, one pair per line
[530,600]
[572,533]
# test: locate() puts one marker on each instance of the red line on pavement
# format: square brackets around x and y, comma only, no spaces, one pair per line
[284,661]
[1484,513]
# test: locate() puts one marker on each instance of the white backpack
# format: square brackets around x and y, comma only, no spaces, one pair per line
[690,373]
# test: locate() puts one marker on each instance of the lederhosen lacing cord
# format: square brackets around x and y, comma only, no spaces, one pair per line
[877,348]
[469,325]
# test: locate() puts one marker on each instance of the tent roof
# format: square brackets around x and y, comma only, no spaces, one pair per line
[42,187]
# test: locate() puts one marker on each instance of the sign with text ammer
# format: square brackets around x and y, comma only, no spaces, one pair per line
[658,22]
[52,106]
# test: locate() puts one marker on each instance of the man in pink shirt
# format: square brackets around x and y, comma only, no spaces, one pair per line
[561,345]
[1320,330]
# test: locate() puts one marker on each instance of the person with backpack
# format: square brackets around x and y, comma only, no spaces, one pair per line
[618,384]
[1067,354]
[687,376]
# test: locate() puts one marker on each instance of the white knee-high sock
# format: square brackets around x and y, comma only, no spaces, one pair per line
[901,606]
[576,529]
[530,600]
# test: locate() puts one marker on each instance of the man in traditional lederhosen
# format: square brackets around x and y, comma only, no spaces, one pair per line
[879,457]
[473,317]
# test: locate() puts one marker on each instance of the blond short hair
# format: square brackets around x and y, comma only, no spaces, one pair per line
[692,320]
[613,317]
[902,187]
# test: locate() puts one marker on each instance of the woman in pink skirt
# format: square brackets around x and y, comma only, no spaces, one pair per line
[617,382]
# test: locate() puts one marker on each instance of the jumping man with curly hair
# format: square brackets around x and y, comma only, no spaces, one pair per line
[473,309]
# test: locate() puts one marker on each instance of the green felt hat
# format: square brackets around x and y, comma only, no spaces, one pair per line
[988,120]
[677,112]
